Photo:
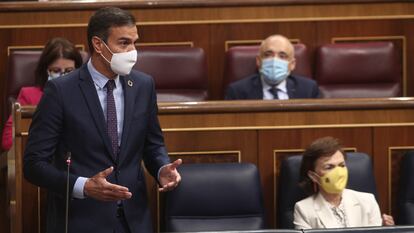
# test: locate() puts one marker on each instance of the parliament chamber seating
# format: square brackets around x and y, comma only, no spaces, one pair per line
[388,229]
[358,70]
[213,197]
[241,62]
[20,72]
[361,178]
[406,192]
[180,73]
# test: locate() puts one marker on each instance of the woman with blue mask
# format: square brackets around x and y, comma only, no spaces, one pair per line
[274,80]
[58,58]
[324,175]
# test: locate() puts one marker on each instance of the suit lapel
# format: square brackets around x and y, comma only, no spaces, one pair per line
[89,92]
[129,88]
[291,87]
[352,209]
[257,88]
[324,213]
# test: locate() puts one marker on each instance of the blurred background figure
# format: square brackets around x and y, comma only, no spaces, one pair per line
[324,175]
[58,58]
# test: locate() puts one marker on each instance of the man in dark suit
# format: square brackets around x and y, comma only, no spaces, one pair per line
[105,115]
[275,62]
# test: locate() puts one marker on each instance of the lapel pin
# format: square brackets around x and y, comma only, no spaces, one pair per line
[130,83]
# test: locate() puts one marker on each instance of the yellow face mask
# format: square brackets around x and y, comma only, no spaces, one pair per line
[335,180]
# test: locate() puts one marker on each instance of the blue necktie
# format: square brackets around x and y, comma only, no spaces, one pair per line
[274,91]
[111,121]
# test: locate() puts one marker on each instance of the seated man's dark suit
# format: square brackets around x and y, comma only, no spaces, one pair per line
[69,117]
[251,88]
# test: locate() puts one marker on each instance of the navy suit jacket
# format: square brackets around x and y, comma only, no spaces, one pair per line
[251,88]
[69,118]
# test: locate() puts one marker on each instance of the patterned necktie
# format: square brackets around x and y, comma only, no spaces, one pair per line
[111,121]
[274,91]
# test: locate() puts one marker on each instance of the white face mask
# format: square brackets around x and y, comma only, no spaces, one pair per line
[122,63]
[56,74]
[52,76]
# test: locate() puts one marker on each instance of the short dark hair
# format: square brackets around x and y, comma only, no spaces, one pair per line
[104,19]
[54,49]
[322,147]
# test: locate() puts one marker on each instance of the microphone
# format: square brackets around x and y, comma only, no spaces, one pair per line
[68,161]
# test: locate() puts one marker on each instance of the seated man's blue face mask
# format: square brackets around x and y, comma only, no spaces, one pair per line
[274,70]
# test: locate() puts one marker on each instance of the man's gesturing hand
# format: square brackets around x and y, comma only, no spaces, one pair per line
[99,188]
[169,176]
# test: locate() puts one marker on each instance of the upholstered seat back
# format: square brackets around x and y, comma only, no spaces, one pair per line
[214,197]
[352,70]
[361,178]
[21,71]
[406,191]
[180,73]
[241,62]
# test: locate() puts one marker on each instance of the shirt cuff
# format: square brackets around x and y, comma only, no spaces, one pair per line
[159,171]
[78,188]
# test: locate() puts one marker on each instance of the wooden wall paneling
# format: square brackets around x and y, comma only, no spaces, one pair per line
[390,143]
[4,42]
[275,145]
[49,17]
[4,205]
[4,217]
[357,28]
[30,13]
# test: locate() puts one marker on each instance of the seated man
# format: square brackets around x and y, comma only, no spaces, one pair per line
[275,61]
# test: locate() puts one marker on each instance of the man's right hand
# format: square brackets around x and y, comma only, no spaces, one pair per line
[99,188]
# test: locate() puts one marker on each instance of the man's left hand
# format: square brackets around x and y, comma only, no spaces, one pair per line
[169,176]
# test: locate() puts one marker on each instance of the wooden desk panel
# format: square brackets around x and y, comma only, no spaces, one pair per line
[260,132]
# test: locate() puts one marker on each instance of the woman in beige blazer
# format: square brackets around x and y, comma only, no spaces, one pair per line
[324,175]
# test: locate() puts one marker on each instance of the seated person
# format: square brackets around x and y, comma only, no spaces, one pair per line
[324,175]
[59,57]
[275,62]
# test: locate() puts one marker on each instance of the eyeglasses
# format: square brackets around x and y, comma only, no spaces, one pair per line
[57,72]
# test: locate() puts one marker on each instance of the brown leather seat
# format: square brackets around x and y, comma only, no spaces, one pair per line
[20,71]
[353,70]
[241,62]
[180,73]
